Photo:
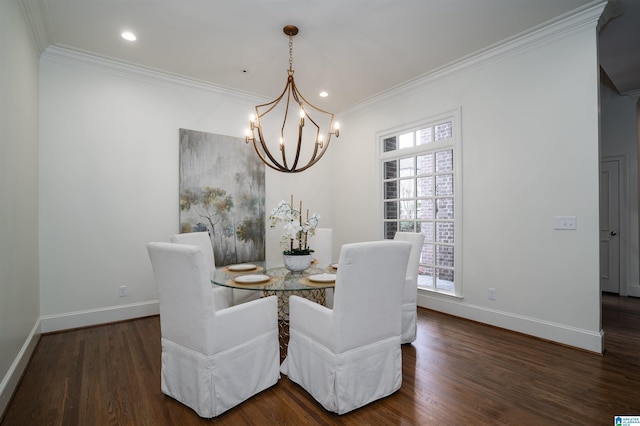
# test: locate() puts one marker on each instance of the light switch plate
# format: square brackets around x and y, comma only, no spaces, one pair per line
[565,222]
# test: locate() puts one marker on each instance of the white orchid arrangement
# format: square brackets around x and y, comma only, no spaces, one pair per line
[296,231]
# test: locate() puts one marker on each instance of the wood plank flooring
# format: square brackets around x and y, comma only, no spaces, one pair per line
[457,373]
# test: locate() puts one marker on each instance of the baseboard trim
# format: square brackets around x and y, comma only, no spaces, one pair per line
[633,290]
[559,333]
[11,380]
[89,317]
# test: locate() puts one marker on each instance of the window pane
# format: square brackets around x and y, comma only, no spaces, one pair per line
[407,226]
[444,208]
[426,256]
[391,190]
[407,189]
[444,161]
[425,186]
[444,256]
[424,136]
[408,209]
[390,144]
[444,184]
[407,167]
[425,209]
[426,229]
[406,140]
[443,131]
[390,229]
[444,232]
[391,210]
[425,164]
[444,280]
[425,276]
[391,169]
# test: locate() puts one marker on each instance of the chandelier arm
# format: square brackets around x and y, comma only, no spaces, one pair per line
[297,157]
[318,127]
[312,162]
[306,101]
[264,160]
[315,152]
[284,122]
[274,103]
[270,106]
[264,148]
[298,96]
[266,151]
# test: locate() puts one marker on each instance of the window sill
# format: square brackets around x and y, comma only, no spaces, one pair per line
[425,291]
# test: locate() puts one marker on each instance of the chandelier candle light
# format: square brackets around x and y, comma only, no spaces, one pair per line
[291,129]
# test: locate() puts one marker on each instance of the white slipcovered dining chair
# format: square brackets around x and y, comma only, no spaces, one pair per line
[349,356]
[212,360]
[410,294]
[322,244]
[225,296]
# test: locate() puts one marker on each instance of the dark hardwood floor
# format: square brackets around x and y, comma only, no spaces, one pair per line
[457,373]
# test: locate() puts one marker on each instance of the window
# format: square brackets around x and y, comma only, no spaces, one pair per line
[420,187]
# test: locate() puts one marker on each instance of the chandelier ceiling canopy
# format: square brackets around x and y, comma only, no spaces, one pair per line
[295,127]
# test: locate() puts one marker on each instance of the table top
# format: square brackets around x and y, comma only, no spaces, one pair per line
[279,278]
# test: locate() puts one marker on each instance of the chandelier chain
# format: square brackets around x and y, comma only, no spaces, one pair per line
[290,53]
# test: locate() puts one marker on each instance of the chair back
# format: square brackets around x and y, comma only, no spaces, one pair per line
[184,292]
[322,244]
[199,239]
[416,240]
[368,293]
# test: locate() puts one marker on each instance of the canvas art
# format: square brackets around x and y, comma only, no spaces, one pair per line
[222,191]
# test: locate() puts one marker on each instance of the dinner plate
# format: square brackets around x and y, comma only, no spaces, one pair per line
[322,278]
[251,279]
[242,267]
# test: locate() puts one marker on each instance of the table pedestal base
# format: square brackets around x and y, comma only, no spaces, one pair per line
[316,295]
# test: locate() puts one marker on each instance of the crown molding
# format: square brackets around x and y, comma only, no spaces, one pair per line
[35,13]
[83,59]
[563,26]
[632,93]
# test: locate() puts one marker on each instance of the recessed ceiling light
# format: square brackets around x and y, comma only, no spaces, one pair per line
[323,94]
[127,35]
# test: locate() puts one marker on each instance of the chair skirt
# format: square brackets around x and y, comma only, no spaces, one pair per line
[196,380]
[409,314]
[344,382]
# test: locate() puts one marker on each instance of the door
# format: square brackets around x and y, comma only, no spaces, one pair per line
[610,226]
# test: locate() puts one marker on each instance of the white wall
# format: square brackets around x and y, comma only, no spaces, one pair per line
[530,152]
[619,133]
[19,288]
[109,180]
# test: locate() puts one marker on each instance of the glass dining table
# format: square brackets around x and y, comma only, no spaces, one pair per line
[276,280]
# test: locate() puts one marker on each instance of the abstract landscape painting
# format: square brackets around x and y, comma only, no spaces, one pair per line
[222,188]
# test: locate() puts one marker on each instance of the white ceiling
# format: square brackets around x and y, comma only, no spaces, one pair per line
[353,49]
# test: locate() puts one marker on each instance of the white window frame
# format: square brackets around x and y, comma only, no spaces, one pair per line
[455,143]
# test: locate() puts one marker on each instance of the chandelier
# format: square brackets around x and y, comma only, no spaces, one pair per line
[300,121]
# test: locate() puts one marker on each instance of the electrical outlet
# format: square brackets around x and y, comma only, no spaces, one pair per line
[565,222]
[122,291]
[492,294]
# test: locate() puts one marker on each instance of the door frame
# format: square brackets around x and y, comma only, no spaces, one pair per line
[623,217]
